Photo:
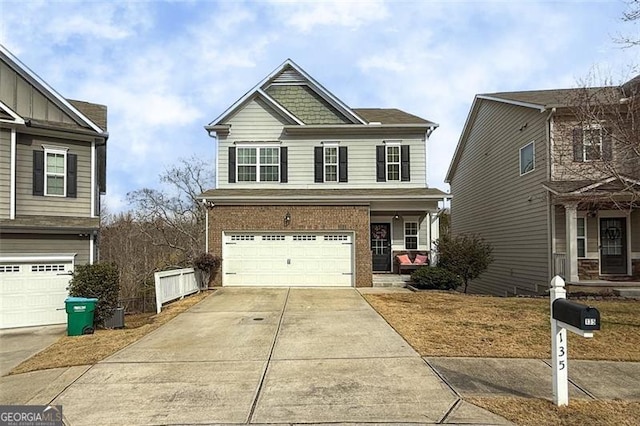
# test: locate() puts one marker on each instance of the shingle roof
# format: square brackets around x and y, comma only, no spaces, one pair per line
[327,194]
[390,116]
[590,186]
[560,97]
[94,112]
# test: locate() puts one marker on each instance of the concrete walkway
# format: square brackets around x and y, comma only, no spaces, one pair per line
[18,344]
[276,356]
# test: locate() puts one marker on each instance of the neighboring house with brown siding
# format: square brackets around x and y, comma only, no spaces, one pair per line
[528,176]
[52,172]
[311,192]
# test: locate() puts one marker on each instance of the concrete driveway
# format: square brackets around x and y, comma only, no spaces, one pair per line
[268,356]
[18,344]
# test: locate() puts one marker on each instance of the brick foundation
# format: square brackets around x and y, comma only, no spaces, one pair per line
[303,218]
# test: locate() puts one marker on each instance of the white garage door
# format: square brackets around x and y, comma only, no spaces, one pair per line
[280,259]
[33,293]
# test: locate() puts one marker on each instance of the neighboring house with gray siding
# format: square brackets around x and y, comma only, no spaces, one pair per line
[528,176]
[52,173]
[312,192]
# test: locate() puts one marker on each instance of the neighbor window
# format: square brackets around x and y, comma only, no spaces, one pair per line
[393,162]
[54,182]
[258,164]
[582,237]
[527,158]
[411,235]
[592,143]
[330,163]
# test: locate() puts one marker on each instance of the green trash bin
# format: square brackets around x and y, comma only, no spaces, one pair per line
[80,315]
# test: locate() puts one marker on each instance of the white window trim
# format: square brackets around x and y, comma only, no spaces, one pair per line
[55,151]
[533,145]
[588,128]
[327,145]
[387,163]
[417,235]
[257,163]
[584,237]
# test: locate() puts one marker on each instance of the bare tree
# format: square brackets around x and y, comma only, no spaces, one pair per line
[173,217]
[631,15]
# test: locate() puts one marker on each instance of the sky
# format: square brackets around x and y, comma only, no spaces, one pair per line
[167,68]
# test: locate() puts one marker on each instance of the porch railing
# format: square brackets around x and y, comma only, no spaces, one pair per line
[175,284]
[559,264]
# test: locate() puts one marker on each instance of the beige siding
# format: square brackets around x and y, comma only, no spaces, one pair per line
[256,122]
[25,244]
[26,100]
[5,172]
[27,203]
[491,199]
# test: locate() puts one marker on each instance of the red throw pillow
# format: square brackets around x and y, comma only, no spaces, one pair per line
[420,259]
[404,259]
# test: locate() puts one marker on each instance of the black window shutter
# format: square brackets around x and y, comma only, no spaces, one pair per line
[283,164]
[607,149]
[232,164]
[38,172]
[578,150]
[318,164]
[381,167]
[72,175]
[343,176]
[405,172]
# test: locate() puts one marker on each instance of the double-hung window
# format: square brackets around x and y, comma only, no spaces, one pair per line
[393,162]
[55,172]
[592,143]
[411,235]
[330,163]
[258,164]
[582,236]
[527,158]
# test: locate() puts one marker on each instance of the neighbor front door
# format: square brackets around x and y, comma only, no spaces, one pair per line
[613,245]
[381,247]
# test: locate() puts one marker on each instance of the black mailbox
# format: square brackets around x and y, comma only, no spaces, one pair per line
[580,316]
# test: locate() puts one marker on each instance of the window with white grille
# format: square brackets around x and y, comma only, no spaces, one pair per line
[304,238]
[9,268]
[47,268]
[273,238]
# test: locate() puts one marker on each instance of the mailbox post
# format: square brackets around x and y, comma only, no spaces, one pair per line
[566,315]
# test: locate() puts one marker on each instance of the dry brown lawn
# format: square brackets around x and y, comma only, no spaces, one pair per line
[454,324]
[92,348]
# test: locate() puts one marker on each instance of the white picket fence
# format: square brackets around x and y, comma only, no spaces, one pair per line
[174,284]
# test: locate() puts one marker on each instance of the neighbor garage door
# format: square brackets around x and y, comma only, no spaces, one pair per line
[33,293]
[280,259]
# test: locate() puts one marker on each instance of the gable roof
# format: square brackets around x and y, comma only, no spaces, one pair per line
[288,72]
[542,100]
[25,72]
[390,116]
[581,187]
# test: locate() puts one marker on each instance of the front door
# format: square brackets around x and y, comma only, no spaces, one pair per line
[613,245]
[381,247]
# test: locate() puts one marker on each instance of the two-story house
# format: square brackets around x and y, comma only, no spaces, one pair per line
[311,192]
[52,172]
[547,178]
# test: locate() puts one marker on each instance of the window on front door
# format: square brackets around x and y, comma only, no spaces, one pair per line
[258,164]
[411,235]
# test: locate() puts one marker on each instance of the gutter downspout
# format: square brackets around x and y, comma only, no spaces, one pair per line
[550,208]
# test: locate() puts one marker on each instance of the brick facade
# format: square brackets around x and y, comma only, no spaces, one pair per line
[303,218]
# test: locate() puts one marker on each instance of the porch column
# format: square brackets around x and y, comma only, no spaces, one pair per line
[571,225]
